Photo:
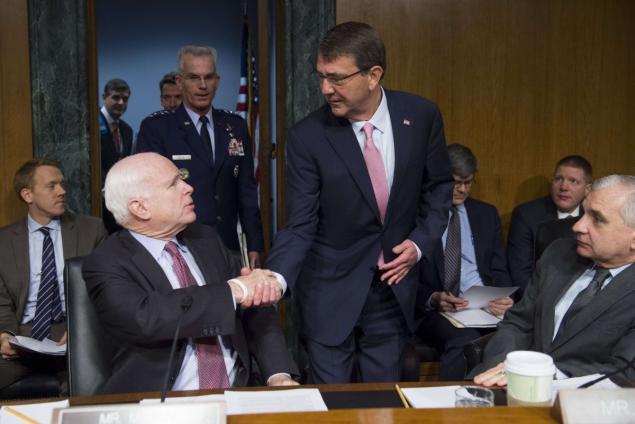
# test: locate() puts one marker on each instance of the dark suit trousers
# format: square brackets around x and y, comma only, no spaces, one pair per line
[372,352]
[450,341]
[17,369]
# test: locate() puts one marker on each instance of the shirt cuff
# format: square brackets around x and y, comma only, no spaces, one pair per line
[243,288]
[419,254]
[277,374]
[560,375]
[281,281]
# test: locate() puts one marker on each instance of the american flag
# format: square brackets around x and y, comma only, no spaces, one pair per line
[247,103]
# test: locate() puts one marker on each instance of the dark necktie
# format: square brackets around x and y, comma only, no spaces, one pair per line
[212,373]
[452,254]
[205,138]
[48,308]
[586,296]
[116,138]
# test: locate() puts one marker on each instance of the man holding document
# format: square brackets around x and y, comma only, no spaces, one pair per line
[163,274]
[578,308]
[469,254]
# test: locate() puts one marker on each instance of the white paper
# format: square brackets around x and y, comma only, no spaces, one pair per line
[430,397]
[293,400]
[472,318]
[479,296]
[40,412]
[185,399]
[46,346]
[575,382]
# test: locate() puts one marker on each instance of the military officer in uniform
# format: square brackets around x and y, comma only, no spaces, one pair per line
[212,149]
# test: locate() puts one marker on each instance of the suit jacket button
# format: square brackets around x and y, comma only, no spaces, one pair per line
[205,332]
[216,197]
[218,218]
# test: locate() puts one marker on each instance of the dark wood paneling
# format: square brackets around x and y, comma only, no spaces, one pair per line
[16,144]
[522,83]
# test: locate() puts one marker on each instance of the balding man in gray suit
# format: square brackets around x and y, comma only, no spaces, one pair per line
[579,306]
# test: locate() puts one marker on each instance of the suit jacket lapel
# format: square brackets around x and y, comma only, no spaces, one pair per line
[69,236]
[199,248]
[402,136]
[20,245]
[191,136]
[144,262]
[619,287]
[341,138]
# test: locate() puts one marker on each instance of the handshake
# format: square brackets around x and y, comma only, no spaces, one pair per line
[257,287]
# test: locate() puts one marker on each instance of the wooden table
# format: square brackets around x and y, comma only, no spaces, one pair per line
[501,414]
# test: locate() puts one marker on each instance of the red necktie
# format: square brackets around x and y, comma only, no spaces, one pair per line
[377,173]
[212,373]
[116,137]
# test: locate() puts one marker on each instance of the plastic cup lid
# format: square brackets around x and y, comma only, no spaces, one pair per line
[529,363]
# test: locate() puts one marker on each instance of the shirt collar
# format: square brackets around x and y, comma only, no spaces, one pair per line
[153,245]
[33,225]
[194,116]
[380,118]
[615,271]
[109,119]
[573,213]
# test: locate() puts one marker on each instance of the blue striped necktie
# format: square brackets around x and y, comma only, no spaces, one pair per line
[49,307]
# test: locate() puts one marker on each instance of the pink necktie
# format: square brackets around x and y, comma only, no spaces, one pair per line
[376,170]
[377,173]
[212,373]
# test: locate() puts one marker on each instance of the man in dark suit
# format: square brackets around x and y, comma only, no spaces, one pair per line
[212,149]
[570,184]
[161,270]
[478,258]
[115,134]
[368,191]
[579,306]
[170,92]
[34,250]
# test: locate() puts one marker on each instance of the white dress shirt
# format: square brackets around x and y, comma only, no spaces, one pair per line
[196,118]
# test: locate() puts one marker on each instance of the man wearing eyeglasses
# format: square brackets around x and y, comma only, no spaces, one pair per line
[212,150]
[469,254]
[368,191]
[570,184]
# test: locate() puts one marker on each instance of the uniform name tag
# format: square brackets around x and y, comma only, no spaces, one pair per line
[181,157]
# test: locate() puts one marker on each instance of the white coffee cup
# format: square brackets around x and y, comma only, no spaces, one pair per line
[529,378]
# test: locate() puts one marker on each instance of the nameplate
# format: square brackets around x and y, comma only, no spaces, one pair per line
[181,157]
[595,406]
[192,413]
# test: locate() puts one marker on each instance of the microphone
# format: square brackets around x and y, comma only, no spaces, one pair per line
[628,365]
[186,304]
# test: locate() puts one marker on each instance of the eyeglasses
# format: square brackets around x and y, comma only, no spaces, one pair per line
[465,183]
[337,79]
[193,78]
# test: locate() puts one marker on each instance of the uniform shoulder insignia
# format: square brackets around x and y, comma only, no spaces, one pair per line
[231,112]
[161,112]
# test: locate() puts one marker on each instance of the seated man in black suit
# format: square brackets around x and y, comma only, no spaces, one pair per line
[570,184]
[476,228]
[162,268]
[578,307]
[32,268]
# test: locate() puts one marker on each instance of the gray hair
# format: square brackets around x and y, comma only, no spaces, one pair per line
[125,182]
[462,160]
[628,182]
[196,51]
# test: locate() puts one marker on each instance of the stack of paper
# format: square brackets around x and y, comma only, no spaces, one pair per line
[476,316]
[46,346]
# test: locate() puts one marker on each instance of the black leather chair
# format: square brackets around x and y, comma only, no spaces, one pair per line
[474,351]
[89,348]
[32,387]
[550,231]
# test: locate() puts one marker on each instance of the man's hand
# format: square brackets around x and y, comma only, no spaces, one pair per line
[5,348]
[493,376]
[396,270]
[262,287]
[500,306]
[254,260]
[63,339]
[281,380]
[445,302]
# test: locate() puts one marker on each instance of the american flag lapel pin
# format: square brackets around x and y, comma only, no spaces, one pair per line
[186,123]
[406,122]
